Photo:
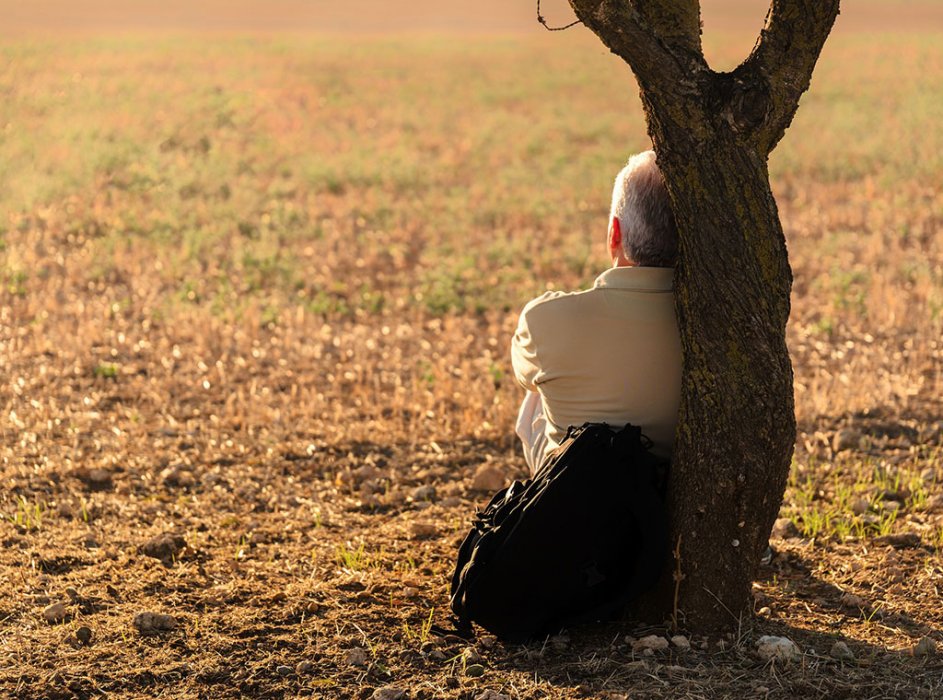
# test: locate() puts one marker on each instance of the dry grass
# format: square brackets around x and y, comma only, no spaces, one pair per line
[257,293]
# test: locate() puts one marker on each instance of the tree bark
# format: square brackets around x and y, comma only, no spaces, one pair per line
[713,133]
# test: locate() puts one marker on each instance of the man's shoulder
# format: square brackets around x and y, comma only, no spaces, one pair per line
[558,299]
[554,302]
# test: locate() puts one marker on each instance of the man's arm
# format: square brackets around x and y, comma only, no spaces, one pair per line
[524,355]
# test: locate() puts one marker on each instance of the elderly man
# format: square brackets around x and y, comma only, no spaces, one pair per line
[610,354]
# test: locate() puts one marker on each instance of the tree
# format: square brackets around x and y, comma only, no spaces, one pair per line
[713,133]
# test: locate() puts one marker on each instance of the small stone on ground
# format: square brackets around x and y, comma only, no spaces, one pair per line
[780,649]
[55,613]
[488,478]
[471,656]
[784,528]
[151,622]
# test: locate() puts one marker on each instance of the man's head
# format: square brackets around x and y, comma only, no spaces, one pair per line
[641,226]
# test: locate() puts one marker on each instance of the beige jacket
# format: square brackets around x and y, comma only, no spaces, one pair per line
[610,354]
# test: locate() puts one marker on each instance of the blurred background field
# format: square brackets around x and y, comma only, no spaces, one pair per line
[370,183]
[249,250]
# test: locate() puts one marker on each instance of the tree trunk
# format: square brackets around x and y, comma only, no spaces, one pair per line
[713,133]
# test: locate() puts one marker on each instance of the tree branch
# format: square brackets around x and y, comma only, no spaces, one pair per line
[785,56]
[676,22]
[659,39]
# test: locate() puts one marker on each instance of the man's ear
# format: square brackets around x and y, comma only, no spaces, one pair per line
[615,234]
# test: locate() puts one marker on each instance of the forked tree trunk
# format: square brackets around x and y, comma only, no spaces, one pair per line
[713,133]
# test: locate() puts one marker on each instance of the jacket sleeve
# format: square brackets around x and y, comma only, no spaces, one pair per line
[524,355]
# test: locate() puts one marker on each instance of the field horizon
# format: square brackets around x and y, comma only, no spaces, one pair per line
[391,17]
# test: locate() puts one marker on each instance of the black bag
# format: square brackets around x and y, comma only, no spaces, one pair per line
[574,544]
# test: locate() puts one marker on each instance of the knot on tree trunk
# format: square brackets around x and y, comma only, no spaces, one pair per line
[740,100]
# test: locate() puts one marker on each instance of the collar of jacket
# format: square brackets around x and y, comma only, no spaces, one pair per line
[651,279]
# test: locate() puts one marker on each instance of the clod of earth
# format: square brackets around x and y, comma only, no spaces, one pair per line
[847,439]
[488,478]
[164,547]
[559,643]
[177,477]
[841,652]
[492,695]
[475,671]
[372,502]
[95,479]
[371,487]
[853,602]
[365,473]
[84,634]
[422,530]
[55,613]
[152,622]
[900,540]
[388,692]
[423,493]
[652,642]
[471,656]
[681,642]
[860,506]
[779,649]
[357,657]
[304,667]
[925,647]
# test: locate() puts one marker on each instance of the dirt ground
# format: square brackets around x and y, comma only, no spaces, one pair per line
[296,564]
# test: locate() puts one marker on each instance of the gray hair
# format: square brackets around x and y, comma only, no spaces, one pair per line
[640,202]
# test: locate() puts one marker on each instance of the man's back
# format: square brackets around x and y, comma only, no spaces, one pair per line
[610,354]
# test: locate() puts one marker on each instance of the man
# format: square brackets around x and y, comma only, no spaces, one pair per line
[610,354]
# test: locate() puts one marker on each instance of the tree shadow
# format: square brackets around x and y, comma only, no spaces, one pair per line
[601,660]
[607,661]
[875,431]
